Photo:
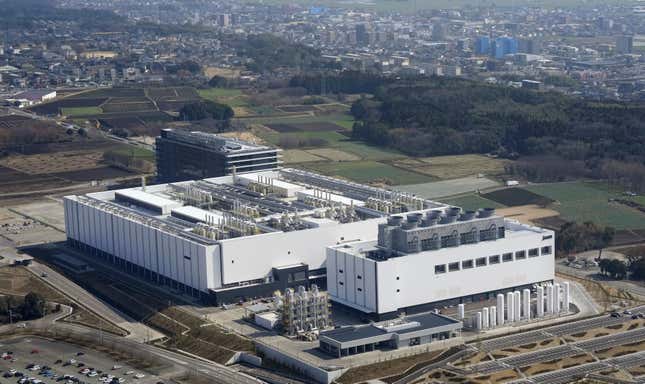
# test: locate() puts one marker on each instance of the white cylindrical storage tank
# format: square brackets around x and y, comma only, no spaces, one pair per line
[517,305]
[500,309]
[478,321]
[510,315]
[461,311]
[493,317]
[539,303]
[566,300]
[526,303]
[549,299]
[485,318]
[556,298]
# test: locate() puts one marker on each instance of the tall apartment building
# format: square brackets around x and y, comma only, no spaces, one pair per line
[185,155]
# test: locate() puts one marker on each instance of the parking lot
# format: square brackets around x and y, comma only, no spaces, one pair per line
[63,359]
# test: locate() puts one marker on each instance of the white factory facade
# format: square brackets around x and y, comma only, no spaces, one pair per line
[231,237]
[243,236]
[437,258]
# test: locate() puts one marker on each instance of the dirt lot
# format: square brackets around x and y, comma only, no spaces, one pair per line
[46,163]
[599,332]
[23,231]
[550,366]
[386,368]
[527,214]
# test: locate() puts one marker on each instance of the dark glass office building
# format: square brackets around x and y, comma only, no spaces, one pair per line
[184,155]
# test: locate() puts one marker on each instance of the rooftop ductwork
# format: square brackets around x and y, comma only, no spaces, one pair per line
[414,217]
[447,219]
[429,221]
[395,220]
[452,211]
[409,225]
[468,215]
[435,214]
[486,212]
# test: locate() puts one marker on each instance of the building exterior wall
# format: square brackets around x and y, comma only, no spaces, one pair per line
[253,257]
[410,280]
[185,261]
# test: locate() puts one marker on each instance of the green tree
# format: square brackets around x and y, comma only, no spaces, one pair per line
[33,307]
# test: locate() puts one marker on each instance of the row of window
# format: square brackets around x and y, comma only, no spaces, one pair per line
[490,260]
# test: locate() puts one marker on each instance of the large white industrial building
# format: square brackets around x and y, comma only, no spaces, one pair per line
[248,235]
[438,257]
[231,237]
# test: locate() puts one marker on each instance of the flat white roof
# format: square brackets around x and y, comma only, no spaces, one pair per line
[198,213]
[149,199]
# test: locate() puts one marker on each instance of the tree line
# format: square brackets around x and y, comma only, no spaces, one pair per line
[31,307]
[447,116]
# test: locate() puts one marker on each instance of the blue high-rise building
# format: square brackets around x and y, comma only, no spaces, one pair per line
[482,45]
[504,46]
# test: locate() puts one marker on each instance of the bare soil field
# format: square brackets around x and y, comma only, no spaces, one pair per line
[47,163]
[527,214]
[98,173]
[550,366]
[16,181]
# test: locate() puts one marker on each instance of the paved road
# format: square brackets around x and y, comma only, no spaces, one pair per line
[137,331]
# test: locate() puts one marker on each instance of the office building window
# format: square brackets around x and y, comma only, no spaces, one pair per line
[507,257]
[546,250]
[520,255]
[359,277]
[493,259]
[534,252]
[467,264]
[480,262]
[452,267]
[441,268]
[360,289]
[501,232]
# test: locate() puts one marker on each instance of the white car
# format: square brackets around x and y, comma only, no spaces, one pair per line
[121,380]
[92,374]
[139,375]
[12,371]
[115,367]
[129,373]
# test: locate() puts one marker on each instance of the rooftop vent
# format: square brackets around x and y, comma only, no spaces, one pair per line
[394,220]
[486,212]
[468,215]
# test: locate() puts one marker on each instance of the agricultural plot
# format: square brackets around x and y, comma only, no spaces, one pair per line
[55,107]
[80,111]
[580,201]
[512,197]
[299,156]
[304,127]
[453,167]
[111,92]
[368,172]
[296,108]
[446,188]
[334,154]
[116,105]
[471,202]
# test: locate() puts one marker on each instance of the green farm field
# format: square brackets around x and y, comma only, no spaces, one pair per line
[583,201]
[368,172]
